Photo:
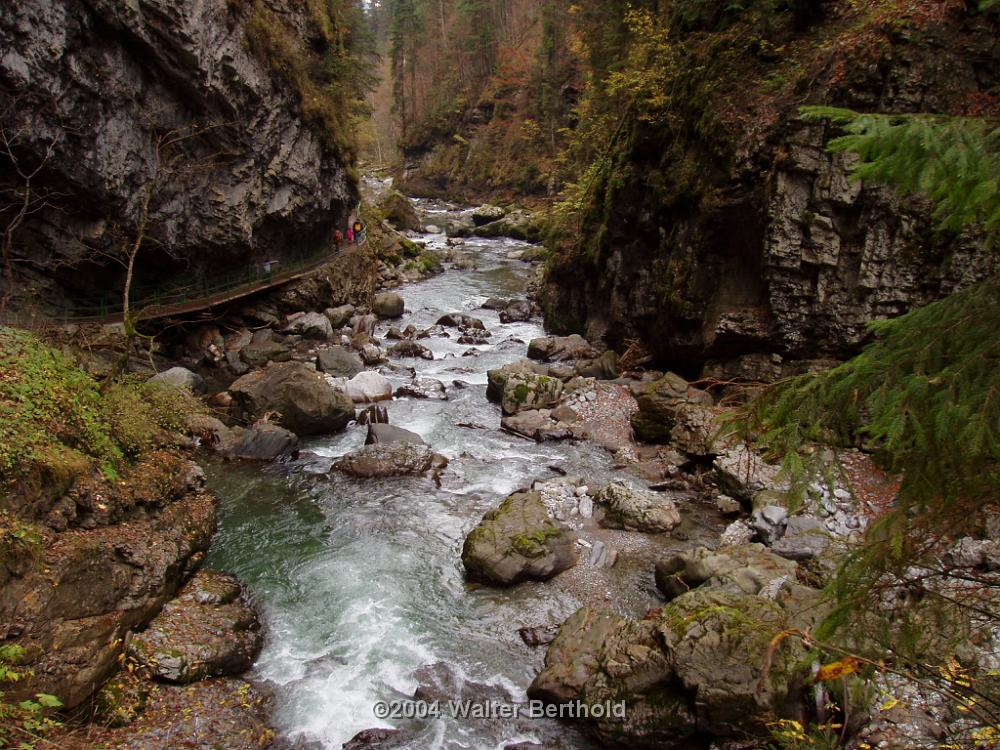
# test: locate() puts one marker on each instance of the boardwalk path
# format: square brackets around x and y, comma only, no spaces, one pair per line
[201,295]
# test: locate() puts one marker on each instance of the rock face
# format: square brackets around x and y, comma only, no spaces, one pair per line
[75,603]
[306,402]
[793,262]
[100,81]
[699,666]
[518,541]
[207,631]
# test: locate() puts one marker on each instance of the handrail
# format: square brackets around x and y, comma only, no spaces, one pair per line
[196,294]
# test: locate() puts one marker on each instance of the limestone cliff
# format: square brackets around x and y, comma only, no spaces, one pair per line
[733,238]
[116,99]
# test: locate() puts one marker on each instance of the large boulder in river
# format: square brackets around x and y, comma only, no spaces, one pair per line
[518,541]
[339,361]
[620,506]
[263,442]
[461,320]
[486,214]
[306,403]
[411,349]
[517,311]
[394,459]
[659,404]
[387,433]
[398,210]
[701,665]
[388,305]
[560,348]
[523,386]
[207,631]
[367,387]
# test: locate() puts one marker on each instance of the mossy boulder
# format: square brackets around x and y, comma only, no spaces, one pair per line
[398,210]
[207,631]
[660,404]
[702,665]
[518,541]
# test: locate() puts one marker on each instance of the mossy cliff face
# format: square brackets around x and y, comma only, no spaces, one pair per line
[726,232]
[190,101]
[102,519]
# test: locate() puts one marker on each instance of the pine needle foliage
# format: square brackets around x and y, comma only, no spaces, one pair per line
[955,161]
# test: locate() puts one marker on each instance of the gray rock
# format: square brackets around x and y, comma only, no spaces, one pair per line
[518,541]
[387,460]
[306,403]
[421,387]
[728,506]
[620,506]
[398,210]
[486,214]
[180,377]
[263,442]
[312,325]
[742,473]
[368,386]
[387,433]
[517,311]
[804,538]
[365,324]
[388,305]
[339,316]
[602,556]
[659,405]
[736,534]
[535,426]
[259,353]
[560,348]
[339,361]
[769,523]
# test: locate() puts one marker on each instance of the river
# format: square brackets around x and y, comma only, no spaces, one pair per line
[361,584]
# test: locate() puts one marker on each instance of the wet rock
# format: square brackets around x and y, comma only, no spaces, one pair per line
[207,631]
[411,349]
[523,386]
[339,316]
[263,442]
[368,386]
[386,433]
[306,403]
[421,387]
[659,404]
[376,739]
[180,377]
[486,214]
[474,338]
[461,320]
[398,210]
[560,348]
[339,361]
[538,636]
[372,355]
[517,311]
[365,324]
[394,334]
[388,305]
[619,506]
[387,460]
[536,426]
[312,325]
[496,303]
[374,414]
[518,541]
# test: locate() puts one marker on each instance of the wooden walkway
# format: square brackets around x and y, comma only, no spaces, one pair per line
[150,309]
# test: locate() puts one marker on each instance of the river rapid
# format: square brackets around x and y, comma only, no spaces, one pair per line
[360,582]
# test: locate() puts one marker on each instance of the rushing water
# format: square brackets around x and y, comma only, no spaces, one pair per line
[361,582]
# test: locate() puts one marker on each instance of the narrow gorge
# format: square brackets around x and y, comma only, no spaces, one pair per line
[506,375]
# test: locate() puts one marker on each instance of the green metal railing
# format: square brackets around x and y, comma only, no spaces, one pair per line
[146,301]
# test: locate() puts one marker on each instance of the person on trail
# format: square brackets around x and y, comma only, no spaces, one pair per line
[338,237]
[359,230]
[350,235]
